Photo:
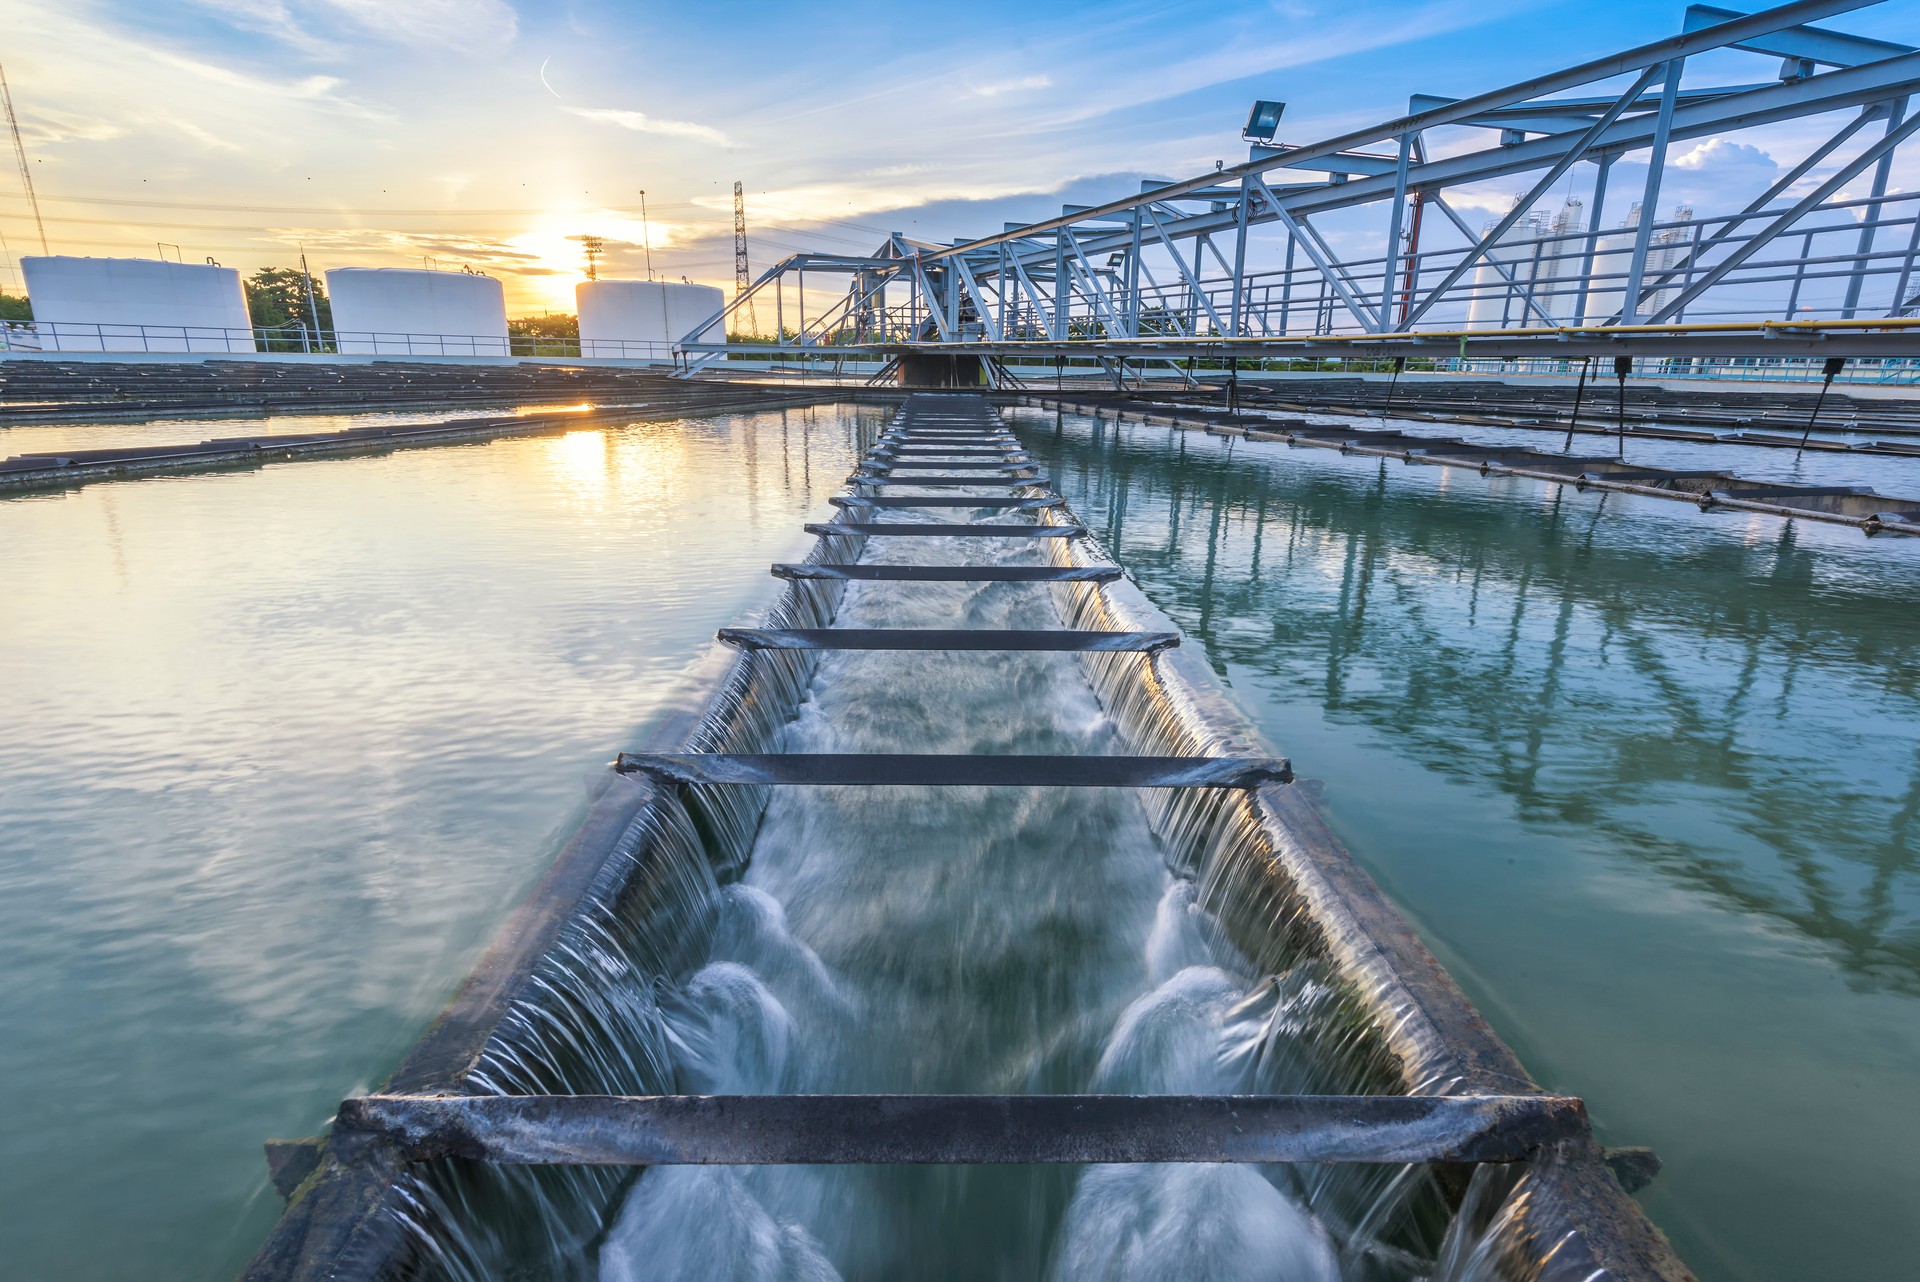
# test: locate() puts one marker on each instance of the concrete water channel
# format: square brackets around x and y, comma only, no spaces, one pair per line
[1589,742]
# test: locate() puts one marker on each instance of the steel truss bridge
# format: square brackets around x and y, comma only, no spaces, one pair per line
[1239,263]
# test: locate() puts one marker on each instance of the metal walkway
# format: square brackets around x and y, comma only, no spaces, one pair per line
[624,1130]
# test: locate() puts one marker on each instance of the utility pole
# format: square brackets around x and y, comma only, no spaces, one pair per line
[313,310]
[20,154]
[595,246]
[646,234]
[741,271]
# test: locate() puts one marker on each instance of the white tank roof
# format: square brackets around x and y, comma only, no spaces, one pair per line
[398,311]
[136,304]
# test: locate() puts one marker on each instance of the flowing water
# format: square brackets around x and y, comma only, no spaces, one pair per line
[934,940]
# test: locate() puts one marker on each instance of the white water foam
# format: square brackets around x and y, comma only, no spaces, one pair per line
[972,940]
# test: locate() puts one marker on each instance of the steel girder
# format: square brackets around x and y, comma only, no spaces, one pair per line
[1084,279]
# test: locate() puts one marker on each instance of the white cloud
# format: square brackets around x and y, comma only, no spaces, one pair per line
[271,18]
[640,122]
[1718,153]
[1011,86]
[205,137]
[51,125]
[468,26]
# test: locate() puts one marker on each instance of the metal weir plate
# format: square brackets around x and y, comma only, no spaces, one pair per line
[947,438]
[948,501]
[982,481]
[914,447]
[951,464]
[1076,640]
[952,573]
[663,1130]
[952,530]
[908,769]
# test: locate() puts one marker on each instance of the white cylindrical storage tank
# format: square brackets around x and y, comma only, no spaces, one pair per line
[643,318]
[1494,304]
[1612,256]
[136,305]
[403,311]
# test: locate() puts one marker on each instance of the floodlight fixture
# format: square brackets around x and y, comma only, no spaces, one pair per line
[1264,121]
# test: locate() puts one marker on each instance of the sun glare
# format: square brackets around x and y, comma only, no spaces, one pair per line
[556,260]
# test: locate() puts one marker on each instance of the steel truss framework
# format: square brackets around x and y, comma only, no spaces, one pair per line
[1174,271]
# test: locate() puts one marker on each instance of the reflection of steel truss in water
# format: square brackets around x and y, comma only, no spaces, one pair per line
[1227,528]
[1244,261]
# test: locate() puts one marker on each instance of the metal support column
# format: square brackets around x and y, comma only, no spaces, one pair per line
[1650,200]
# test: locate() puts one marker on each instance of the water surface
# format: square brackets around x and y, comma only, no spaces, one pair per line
[282,746]
[1647,780]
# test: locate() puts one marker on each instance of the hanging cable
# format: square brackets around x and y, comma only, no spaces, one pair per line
[1622,366]
[1579,394]
[1399,364]
[1833,366]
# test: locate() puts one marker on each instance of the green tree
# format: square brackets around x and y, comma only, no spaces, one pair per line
[15,308]
[551,325]
[277,298]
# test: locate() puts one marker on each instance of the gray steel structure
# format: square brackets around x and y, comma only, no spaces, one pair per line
[1175,272]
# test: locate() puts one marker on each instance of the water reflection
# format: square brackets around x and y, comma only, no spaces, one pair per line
[1735,712]
[281,746]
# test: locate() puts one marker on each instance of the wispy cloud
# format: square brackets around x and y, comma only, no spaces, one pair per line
[640,122]
[468,26]
[1024,83]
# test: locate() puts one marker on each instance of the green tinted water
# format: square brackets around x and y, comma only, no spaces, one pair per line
[283,745]
[1647,781]
[280,749]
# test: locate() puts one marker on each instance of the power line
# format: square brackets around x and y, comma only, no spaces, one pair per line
[20,154]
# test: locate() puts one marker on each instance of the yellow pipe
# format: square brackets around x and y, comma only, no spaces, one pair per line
[1721,327]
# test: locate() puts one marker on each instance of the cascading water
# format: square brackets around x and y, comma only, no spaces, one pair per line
[931,940]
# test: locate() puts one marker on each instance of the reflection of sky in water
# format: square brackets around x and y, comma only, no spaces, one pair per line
[44,438]
[1648,780]
[282,746]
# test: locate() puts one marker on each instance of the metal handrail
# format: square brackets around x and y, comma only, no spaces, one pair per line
[107,336]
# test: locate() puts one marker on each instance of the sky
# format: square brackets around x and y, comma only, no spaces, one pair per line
[489,134]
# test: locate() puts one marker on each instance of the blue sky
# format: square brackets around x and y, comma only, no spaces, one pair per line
[485,132]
